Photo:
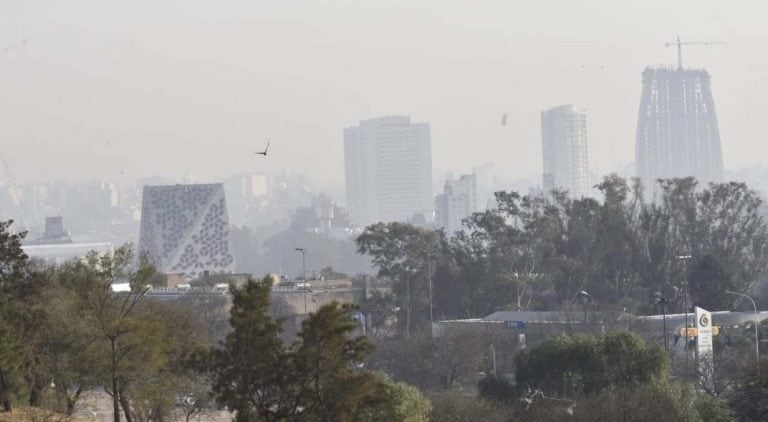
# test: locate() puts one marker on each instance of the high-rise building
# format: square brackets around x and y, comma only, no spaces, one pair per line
[565,152]
[388,170]
[457,202]
[486,186]
[185,229]
[677,132]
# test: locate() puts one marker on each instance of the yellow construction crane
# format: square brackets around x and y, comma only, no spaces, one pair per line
[680,45]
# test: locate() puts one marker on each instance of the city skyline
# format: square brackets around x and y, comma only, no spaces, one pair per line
[195,81]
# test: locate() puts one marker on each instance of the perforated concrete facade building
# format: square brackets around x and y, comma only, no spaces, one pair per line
[185,229]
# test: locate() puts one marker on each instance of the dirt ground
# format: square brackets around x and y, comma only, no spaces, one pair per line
[95,407]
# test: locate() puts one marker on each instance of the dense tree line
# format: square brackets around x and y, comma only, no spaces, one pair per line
[680,241]
[65,331]
[540,252]
[316,378]
[616,376]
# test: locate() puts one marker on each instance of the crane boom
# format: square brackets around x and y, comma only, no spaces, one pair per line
[680,45]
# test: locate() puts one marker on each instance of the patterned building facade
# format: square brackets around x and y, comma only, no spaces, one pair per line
[185,229]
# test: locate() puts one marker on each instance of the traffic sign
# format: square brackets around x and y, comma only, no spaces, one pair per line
[520,325]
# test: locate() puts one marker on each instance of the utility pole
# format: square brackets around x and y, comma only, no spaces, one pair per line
[663,301]
[584,297]
[757,341]
[408,306]
[429,285]
[304,273]
[685,259]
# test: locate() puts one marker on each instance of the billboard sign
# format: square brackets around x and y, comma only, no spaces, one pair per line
[704,346]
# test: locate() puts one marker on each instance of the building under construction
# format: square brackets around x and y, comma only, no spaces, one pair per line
[677,132]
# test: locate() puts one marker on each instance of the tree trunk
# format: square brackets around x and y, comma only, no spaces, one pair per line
[5,396]
[113,374]
[34,395]
[408,308]
[126,407]
[71,401]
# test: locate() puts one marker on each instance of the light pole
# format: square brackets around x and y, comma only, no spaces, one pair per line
[304,273]
[685,259]
[586,296]
[757,341]
[429,287]
[663,301]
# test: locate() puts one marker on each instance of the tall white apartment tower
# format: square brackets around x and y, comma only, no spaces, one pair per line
[564,147]
[388,170]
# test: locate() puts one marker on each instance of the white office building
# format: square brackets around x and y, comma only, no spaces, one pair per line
[388,170]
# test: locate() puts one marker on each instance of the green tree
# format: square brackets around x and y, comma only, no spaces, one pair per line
[11,356]
[723,221]
[14,266]
[65,347]
[749,400]
[327,355]
[154,391]
[251,370]
[643,403]
[317,378]
[708,283]
[567,366]
[452,406]
[126,343]
[13,261]
[395,401]
[407,256]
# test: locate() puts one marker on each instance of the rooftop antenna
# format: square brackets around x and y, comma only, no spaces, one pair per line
[680,45]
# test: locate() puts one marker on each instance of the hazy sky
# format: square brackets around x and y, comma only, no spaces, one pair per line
[94,88]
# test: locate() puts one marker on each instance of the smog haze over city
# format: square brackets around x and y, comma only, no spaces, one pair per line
[383,210]
[121,91]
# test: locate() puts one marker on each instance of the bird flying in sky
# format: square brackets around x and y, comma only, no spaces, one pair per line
[264,153]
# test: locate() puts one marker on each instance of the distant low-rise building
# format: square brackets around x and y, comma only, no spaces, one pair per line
[55,246]
[59,253]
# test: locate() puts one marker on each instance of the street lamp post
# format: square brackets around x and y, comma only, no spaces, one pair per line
[586,296]
[429,287]
[663,301]
[757,341]
[304,274]
[685,259]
